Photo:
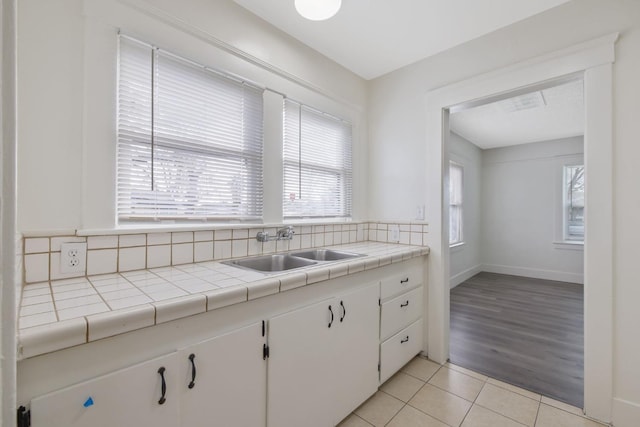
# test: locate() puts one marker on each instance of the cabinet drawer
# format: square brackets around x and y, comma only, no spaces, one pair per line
[395,285]
[400,312]
[400,349]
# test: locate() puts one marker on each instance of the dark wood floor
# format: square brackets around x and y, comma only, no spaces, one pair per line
[523,331]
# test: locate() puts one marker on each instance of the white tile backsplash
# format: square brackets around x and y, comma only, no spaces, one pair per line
[158,256]
[36,267]
[182,237]
[132,258]
[102,242]
[203,251]
[158,238]
[102,261]
[130,240]
[37,245]
[131,252]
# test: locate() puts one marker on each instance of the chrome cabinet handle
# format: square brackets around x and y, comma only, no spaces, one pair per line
[404,340]
[344,311]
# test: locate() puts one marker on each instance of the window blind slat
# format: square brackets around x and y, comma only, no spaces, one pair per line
[204,159]
[317,169]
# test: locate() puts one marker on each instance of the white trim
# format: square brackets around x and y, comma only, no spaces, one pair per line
[569,245]
[10,279]
[464,275]
[536,273]
[594,58]
[162,16]
[625,413]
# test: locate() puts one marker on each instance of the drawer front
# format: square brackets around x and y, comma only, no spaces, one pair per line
[400,312]
[401,283]
[400,349]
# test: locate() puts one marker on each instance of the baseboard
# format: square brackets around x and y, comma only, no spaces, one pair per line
[464,275]
[625,413]
[534,272]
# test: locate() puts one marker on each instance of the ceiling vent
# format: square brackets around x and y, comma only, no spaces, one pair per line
[527,101]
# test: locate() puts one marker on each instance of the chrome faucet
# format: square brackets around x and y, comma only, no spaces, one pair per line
[285,233]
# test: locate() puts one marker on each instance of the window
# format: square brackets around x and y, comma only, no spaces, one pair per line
[455,203]
[573,202]
[317,164]
[189,139]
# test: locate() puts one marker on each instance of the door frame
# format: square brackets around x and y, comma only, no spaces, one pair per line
[593,60]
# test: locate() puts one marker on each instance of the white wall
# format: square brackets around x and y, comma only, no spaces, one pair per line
[521,211]
[465,259]
[67,69]
[398,152]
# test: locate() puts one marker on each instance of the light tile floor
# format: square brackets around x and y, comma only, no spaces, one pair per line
[425,394]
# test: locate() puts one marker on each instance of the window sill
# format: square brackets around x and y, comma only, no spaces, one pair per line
[569,245]
[457,247]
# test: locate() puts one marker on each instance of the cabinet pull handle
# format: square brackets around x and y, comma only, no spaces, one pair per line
[193,370]
[331,321]
[404,340]
[405,304]
[404,280]
[164,386]
[344,311]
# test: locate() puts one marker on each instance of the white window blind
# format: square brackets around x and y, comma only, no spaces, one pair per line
[317,164]
[455,203]
[189,139]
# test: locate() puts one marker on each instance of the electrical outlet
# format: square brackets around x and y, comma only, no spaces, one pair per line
[420,212]
[394,233]
[73,257]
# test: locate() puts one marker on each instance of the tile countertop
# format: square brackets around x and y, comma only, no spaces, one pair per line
[64,313]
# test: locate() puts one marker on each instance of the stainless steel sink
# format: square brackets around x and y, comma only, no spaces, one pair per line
[271,263]
[325,255]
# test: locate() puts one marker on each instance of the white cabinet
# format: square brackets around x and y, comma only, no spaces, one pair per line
[323,360]
[355,350]
[400,311]
[130,397]
[396,351]
[223,381]
[401,323]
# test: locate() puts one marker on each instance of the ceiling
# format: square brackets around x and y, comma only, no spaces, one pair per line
[554,113]
[374,37]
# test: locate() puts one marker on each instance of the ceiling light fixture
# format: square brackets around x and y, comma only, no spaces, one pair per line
[317,10]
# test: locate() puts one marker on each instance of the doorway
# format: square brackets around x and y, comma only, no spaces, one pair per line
[593,60]
[516,233]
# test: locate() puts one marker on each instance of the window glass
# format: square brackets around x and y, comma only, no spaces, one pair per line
[455,203]
[574,202]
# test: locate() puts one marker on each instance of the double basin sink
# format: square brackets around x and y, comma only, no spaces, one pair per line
[276,263]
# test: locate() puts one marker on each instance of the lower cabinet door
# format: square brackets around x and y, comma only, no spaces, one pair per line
[130,397]
[223,380]
[400,349]
[299,372]
[355,345]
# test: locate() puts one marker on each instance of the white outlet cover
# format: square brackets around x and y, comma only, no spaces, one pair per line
[73,257]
